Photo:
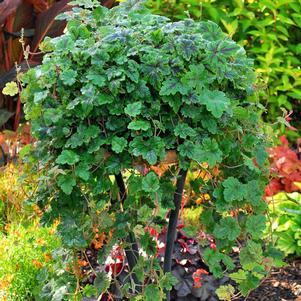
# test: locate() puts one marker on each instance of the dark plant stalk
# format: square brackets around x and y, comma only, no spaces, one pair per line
[172,225]
[4,157]
[131,252]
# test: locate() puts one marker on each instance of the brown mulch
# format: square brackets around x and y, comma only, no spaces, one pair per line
[283,284]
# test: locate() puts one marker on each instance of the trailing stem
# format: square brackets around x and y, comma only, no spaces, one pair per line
[131,251]
[172,225]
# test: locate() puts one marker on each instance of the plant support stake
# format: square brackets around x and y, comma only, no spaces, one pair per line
[172,225]
[131,251]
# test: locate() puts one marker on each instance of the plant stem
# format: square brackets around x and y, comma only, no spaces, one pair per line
[131,251]
[172,225]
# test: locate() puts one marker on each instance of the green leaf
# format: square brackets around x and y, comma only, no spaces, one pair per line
[260,155]
[26,150]
[144,213]
[97,79]
[196,78]
[214,258]
[208,152]
[255,225]
[68,77]
[234,190]
[66,183]
[39,96]
[254,192]
[118,144]
[89,290]
[249,284]
[11,89]
[185,47]
[75,140]
[246,281]
[103,99]
[225,292]
[186,149]
[67,157]
[173,86]
[95,144]
[133,72]
[168,281]
[83,135]
[251,255]
[82,171]
[139,125]
[150,183]
[183,130]
[287,243]
[89,132]
[239,276]
[148,244]
[52,116]
[60,293]
[152,292]
[105,220]
[174,102]
[216,102]
[207,219]
[133,109]
[149,149]
[101,282]
[150,157]
[209,124]
[228,228]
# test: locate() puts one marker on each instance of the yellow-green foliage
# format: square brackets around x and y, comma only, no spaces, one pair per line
[270,30]
[191,216]
[24,251]
[285,212]
[14,190]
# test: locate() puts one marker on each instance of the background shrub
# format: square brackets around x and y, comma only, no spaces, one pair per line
[24,251]
[285,211]
[15,188]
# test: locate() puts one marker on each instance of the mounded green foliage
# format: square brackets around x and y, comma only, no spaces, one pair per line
[119,90]
[271,33]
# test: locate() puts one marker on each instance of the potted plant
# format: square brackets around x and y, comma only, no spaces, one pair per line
[118,94]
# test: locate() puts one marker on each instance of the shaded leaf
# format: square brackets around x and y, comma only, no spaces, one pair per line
[66,182]
[118,144]
[67,157]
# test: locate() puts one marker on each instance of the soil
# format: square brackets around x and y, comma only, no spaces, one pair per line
[282,285]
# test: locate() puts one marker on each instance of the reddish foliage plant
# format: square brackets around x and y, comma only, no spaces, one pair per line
[285,169]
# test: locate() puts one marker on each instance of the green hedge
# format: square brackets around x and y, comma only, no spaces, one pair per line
[271,33]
